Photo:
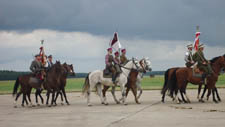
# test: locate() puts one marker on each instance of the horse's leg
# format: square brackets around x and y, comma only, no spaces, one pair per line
[15,101]
[42,100]
[122,87]
[53,97]
[31,104]
[182,96]
[134,90]
[176,98]
[217,94]
[47,94]
[61,95]
[199,90]
[164,94]
[64,94]
[99,92]
[140,89]
[114,96]
[105,88]
[36,97]
[213,93]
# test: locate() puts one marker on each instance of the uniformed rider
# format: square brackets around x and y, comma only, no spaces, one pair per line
[203,63]
[109,63]
[189,57]
[123,58]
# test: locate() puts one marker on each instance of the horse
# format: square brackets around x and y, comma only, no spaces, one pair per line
[68,71]
[182,76]
[52,82]
[134,81]
[96,79]
[167,77]
[27,82]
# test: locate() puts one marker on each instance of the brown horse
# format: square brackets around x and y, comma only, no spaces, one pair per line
[27,82]
[182,76]
[68,70]
[131,84]
[167,77]
[52,82]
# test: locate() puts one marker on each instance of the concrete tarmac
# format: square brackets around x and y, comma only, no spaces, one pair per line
[151,112]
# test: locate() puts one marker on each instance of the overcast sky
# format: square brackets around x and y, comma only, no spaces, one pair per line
[79,31]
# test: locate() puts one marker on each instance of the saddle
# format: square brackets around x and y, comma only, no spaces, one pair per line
[107,73]
[196,71]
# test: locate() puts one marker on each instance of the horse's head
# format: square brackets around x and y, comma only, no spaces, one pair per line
[136,64]
[69,69]
[218,62]
[145,64]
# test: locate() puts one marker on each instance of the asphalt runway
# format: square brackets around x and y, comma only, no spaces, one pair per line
[151,112]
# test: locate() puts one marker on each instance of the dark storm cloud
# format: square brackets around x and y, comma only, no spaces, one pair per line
[148,19]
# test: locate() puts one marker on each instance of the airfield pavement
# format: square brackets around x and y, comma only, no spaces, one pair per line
[150,113]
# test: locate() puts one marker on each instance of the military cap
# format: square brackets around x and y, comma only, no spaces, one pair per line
[201,46]
[190,46]
[50,56]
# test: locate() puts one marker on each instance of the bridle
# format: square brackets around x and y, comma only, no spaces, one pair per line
[137,67]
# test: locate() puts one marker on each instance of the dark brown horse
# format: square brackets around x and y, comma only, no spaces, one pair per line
[27,82]
[52,82]
[182,76]
[68,70]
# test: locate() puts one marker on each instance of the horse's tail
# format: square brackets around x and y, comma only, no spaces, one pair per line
[165,86]
[16,85]
[172,83]
[86,85]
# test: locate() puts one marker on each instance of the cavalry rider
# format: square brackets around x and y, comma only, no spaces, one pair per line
[109,63]
[188,56]
[123,58]
[117,65]
[36,67]
[50,63]
[203,64]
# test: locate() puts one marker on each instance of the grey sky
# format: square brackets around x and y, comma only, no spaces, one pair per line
[143,21]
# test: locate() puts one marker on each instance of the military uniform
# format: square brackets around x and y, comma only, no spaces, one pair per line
[109,63]
[200,58]
[188,56]
[123,59]
[36,66]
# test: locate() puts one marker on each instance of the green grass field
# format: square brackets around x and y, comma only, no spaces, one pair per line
[76,84]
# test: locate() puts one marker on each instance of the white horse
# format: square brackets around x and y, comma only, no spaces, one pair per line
[96,79]
[146,66]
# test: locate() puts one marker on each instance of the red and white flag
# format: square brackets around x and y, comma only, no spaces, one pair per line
[196,43]
[115,43]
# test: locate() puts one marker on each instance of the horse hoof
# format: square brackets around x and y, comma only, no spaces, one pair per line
[106,104]
[219,100]
[33,106]
[125,104]
[201,101]
[15,106]
[38,104]
[68,103]
[62,103]
[22,105]
[117,102]
[89,105]
[103,103]
[216,101]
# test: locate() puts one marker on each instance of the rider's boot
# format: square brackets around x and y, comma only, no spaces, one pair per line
[204,75]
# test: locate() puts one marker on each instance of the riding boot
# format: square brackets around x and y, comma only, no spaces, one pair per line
[114,78]
[204,78]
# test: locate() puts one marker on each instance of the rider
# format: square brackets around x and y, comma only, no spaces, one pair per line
[123,58]
[203,64]
[109,63]
[188,56]
[117,65]
[50,63]
[36,67]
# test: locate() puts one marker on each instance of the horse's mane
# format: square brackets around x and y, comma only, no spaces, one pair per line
[213,60]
